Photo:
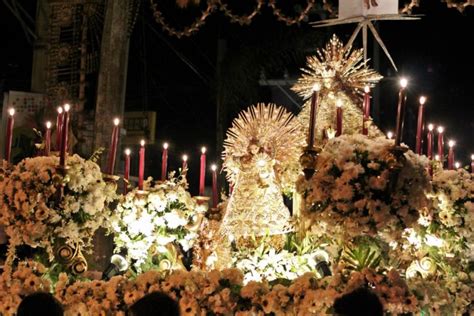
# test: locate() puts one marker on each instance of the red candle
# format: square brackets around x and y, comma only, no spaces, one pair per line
[338,118]
[419,127]
[202,176]
[312,115]
[366,109]
[402,97]
[441,144]
[164,162]
[47,139]
[430,140]
[64,136]
[113,147]
[215,197]
[185,163]
[472,163]
[59,125]
[9,134]
[126,170]
[141,165]
[451,144]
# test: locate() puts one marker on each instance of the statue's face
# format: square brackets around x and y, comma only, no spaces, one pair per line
[253,149]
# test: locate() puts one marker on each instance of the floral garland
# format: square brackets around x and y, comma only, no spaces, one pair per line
[145,224]
[215,292]
[350,193]
[290,21]
[34,213]
[242,20]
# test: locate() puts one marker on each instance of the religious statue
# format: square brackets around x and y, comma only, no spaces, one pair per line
[261,155]
[342,75]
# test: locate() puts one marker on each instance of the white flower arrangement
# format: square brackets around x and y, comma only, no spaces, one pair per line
[35,215]
[146,223]
[349,195]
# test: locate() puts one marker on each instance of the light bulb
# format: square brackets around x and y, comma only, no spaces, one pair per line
[422,100]
[403,82]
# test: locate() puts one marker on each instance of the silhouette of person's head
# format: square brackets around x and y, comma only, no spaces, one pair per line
[360,302]
[156,304]
[40,304]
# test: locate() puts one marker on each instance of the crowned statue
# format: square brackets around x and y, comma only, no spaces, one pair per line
[261,161]
[342,75]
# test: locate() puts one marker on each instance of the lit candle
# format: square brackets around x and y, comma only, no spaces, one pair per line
[113,147]
[451,144]
[457,164]
[430,140]
[338,118]
[202,176]
[366,109]
[312,115]
[47,139]
[402,97]
[419,127]
[441,144]
[436,157]
[472,163]
[64,136]
[164,162]
[185,163]
[215,197]
[389,135]
[141,165]
[126,170]
[9,134]
[59,125]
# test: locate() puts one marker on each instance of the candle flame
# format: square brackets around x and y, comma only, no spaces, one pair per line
[451,143]
[213,167]
[472,157]
[436,157]
[440,129]
[142,142]
[430,127]
[60,109]
[366,89]
[339,103]
[316,87]
[185,158]
[203,150]
[403,82]
[116,121]
[48,124]
[422,100]
[457,164]
[11,111]
[389,135]
[67,107]
[165,145]
[128,151]
[261,163]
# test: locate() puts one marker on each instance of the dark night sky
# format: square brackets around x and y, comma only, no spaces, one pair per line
[432,52]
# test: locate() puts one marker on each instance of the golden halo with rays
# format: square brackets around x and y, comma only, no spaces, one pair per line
[275,131]
[335,68]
